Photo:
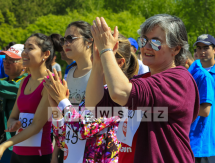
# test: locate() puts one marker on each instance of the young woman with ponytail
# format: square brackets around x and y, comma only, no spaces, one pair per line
[29,117]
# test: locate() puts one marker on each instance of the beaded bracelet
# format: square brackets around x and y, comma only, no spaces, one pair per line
[104,50]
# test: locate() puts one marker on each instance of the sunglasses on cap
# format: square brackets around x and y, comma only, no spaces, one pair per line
[68,39]
[155,44]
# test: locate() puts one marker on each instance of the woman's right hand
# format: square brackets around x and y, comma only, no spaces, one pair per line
[13,126]
[57,90]
[102,35]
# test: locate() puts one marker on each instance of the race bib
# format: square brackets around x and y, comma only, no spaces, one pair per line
[74,147]
[128,126]
[35,141]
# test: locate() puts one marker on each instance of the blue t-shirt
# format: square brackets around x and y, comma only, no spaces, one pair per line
[2,73]
[68,67]
[202,130]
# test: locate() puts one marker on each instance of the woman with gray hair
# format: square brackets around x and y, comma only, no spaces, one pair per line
[162,136]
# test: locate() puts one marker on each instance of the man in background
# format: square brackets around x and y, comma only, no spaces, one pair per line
[2,73]
[8,91]
[202,130]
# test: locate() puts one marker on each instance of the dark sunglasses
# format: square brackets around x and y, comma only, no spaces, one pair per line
[155,44]
[68,39]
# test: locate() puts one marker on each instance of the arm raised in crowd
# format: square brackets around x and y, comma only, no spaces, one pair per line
[118,84]
[95,87]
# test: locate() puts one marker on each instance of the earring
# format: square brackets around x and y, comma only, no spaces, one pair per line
[43,59]
[88,47]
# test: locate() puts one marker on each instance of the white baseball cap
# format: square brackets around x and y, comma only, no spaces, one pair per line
[14,51]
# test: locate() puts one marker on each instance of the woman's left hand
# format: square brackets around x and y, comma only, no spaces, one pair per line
[54,87]
[102,35]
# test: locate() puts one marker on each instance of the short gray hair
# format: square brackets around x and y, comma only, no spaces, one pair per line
[176,34]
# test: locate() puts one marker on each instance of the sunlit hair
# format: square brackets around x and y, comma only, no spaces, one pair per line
[176,34]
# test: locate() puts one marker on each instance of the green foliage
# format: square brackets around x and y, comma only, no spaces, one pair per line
[127,23]
[197,16]
[147,8]
[27,11]
[57,24]
[20,18]
[10,18]
[1,18]
[8,33]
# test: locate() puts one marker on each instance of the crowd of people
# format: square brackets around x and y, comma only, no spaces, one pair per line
[161,98]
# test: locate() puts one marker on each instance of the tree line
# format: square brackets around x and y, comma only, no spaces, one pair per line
[20,18]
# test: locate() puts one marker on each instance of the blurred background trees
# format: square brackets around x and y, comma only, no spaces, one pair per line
[20,18]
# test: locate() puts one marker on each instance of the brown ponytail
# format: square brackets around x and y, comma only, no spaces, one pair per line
[131,66]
